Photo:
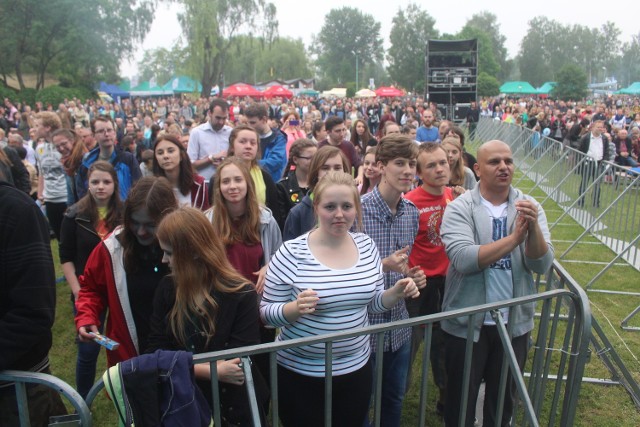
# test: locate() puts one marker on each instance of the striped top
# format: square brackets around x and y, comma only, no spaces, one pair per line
[345,297]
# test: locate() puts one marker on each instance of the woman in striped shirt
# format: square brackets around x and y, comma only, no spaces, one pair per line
[325,281]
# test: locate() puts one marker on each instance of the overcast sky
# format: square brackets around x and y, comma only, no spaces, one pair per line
[302,19]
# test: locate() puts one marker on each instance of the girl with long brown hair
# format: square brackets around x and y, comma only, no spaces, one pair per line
[172,161]
[372,174]
[244,143]
[204,305]
[361,137]
[248,231]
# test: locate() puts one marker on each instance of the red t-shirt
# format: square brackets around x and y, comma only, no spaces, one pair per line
[428,249]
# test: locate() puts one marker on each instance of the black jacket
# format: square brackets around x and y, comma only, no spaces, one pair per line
[237,325]
[289,194]
[300,220]
[78,238]
[27,283]
[19,172]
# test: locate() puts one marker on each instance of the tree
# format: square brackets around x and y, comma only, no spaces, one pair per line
[346,34]
[548,46]
[487,23]
[486,60]
[571,83]
[80,40]
[410,30]
[630,61]
[161,64]
[248,61]
[488,85]
[533,58]
[211,28]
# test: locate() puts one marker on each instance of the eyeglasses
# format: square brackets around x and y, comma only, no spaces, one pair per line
[105,131]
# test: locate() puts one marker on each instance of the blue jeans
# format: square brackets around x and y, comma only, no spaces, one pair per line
[395,365]
[86,361]
[627,161]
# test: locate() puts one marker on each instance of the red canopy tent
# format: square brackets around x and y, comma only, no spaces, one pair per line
[386,91]
[277,90]
[241,90]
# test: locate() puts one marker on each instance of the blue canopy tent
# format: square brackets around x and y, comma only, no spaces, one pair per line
[113,91]
[182,84]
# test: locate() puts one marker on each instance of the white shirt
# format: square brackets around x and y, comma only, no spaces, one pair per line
[31,154]
[500,274]
[203,142]
[595,148]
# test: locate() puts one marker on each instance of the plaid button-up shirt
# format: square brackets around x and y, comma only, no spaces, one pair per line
[390,233]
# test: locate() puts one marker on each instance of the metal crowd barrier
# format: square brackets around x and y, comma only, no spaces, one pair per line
[556,365]
[82,416]
[560,352]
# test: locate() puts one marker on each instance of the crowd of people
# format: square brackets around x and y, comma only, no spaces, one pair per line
[210,224]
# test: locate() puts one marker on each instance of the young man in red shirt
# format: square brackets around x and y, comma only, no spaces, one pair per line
[431,199]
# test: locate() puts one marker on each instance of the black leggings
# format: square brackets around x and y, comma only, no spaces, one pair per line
[301,398]
[55,213]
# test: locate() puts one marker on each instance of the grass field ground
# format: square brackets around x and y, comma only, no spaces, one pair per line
[599,405]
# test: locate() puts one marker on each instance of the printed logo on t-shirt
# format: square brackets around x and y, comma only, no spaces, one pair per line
[500,231]
[433,227]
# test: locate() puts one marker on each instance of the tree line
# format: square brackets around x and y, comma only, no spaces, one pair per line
[223,41]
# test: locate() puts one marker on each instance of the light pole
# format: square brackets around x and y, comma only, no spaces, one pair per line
[357,80]
[604,77]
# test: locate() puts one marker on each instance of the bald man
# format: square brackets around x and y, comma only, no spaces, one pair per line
[496,237]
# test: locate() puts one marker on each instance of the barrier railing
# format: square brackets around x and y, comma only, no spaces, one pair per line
[82,416]
[560,351]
